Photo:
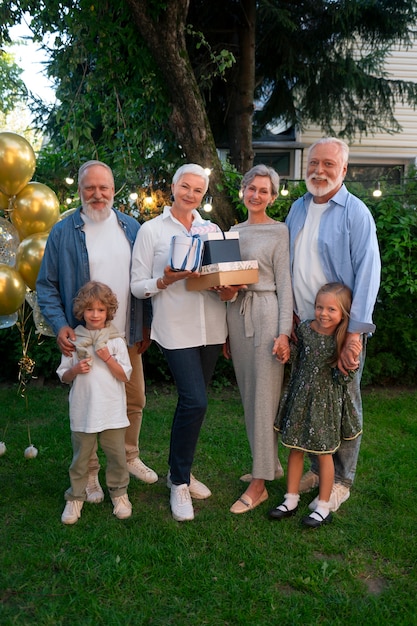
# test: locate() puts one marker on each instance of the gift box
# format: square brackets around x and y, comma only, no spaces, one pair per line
[186,253]
[220,247]
[217,274]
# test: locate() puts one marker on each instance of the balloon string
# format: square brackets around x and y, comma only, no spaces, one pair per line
[26,364]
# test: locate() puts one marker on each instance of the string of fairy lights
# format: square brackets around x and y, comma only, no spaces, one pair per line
[146,200]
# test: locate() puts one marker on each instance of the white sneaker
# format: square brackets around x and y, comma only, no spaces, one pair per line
[181,505]
[197,489]
[138,469]
[122,506]
[72,512]
[93,489]
[339,494]
[308,482]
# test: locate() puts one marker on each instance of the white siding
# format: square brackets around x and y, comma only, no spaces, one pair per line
[384,148]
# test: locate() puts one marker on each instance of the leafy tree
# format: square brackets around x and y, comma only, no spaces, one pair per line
[145,84]
[13,90]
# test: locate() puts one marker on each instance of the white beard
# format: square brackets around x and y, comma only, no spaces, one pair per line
[96,215]
[320,191]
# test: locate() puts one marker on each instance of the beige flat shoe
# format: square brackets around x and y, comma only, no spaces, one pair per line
[247,478]
[245,503]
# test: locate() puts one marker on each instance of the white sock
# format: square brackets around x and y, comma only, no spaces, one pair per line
[290,503]
[322,508]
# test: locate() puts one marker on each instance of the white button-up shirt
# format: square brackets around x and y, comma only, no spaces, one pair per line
[181,318]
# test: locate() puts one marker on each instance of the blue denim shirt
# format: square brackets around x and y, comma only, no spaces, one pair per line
[348,249]
[65,269]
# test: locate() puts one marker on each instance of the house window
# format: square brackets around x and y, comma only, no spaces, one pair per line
[280,161]
[368,175]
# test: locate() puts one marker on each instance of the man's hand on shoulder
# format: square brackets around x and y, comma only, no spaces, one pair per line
[65,340]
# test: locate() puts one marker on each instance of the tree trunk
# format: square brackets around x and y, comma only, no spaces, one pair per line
[241,109]
[164,34]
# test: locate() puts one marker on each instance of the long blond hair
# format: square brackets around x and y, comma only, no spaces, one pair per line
[343,296]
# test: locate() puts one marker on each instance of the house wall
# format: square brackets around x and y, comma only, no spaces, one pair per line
[381,148]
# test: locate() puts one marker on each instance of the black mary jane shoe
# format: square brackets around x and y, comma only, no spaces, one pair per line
[315,523]
[279,514]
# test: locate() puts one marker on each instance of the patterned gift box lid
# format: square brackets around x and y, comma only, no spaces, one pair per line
[231,266]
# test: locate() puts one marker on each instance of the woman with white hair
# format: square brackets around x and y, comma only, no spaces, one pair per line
[188,326]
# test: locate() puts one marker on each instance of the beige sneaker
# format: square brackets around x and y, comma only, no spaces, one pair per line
[339,494]
[93,489]
[309,481]
[122,506]
[197,489]
[138,469]
[72,512]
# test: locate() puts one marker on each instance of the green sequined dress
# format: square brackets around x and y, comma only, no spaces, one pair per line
[315,411]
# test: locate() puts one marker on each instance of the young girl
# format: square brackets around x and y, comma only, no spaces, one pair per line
[97,370]
[315,411]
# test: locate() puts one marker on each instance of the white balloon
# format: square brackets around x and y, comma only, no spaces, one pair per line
[9,242]
[31,452]
[42,326]
[8,320]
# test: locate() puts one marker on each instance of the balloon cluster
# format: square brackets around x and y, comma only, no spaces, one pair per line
[31,209]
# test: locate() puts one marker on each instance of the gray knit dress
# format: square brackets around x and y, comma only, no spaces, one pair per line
[262,312]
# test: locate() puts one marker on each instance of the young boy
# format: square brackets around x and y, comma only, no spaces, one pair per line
[97,371]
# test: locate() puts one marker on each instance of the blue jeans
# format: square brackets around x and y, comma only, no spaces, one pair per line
[346,457]
[192,369]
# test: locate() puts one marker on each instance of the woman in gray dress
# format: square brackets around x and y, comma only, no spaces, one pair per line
[259,319]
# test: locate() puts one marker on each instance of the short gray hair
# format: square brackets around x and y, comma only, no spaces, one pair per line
[343,147]
[192,168]
[84,167]
[262,170]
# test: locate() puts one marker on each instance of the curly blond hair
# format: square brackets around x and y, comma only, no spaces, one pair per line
[91,291]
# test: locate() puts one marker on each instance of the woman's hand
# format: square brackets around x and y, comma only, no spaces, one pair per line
[281,348]
[228,292]
[226,349]
[172,276]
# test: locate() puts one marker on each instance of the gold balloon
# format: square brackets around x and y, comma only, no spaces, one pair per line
[17,163]
[12,290]
[29,257]
[4,201]
[35,209]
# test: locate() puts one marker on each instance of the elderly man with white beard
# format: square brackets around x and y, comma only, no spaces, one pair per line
[95,243]
[333,239]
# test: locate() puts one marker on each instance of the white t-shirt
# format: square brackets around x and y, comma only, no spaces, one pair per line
[109,259]
[308,275]
[97,399]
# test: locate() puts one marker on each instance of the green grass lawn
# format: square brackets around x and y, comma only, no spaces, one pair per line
[219,569]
